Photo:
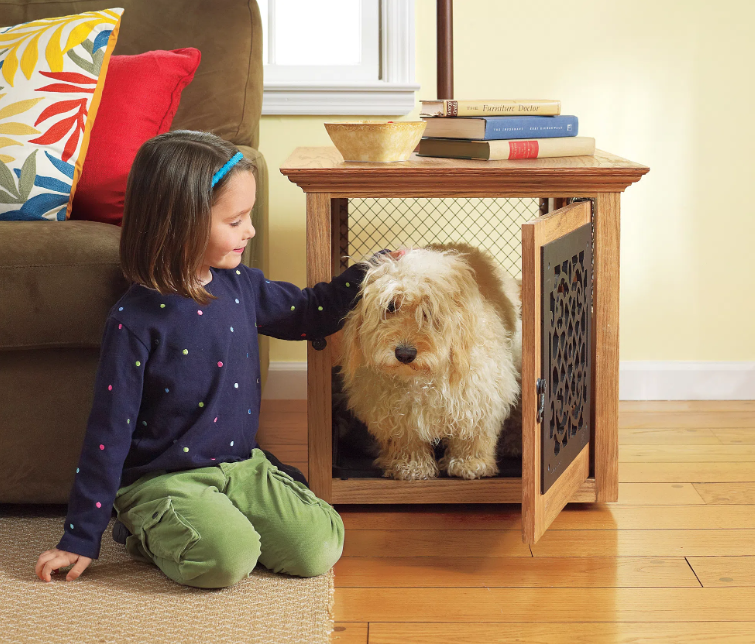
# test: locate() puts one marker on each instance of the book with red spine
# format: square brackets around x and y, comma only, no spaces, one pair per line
[497,150]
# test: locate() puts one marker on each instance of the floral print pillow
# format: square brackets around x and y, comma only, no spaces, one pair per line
[52,72]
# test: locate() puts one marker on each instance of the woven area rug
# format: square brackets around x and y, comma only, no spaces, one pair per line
[120,600]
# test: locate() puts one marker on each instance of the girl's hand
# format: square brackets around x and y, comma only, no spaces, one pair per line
[50,560]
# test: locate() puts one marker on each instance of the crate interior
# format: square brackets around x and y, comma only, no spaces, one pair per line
[371,224]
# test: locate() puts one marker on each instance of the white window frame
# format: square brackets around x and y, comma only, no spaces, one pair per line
[391,94]
[369,40]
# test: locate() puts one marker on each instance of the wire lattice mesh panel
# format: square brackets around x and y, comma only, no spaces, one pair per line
[490,223]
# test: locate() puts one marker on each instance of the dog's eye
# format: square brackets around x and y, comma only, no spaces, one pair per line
[391,307]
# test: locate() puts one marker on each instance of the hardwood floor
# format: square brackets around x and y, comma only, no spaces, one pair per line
[672,561]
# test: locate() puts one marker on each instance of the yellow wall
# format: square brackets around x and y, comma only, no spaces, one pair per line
[665,83]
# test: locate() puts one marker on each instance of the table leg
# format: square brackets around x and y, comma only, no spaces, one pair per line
[605,347]
[319,398]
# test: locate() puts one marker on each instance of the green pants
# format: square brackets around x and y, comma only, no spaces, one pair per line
[208,527]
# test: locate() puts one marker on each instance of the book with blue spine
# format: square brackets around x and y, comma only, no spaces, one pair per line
[488,128]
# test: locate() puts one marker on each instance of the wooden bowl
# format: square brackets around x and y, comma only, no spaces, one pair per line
[375,141]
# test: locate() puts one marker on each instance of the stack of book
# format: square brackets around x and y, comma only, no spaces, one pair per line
[500,129]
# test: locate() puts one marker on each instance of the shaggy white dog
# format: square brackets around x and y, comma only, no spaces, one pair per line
[431,351]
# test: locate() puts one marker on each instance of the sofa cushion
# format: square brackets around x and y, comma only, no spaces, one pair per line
[53,72]
[225,96]
[60,282]
[139,101]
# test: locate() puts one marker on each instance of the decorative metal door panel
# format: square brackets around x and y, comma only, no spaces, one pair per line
[556,275]
[566,319]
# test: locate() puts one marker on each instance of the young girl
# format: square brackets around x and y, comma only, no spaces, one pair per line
[170,441]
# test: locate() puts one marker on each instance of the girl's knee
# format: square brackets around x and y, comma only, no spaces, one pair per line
[228,556]
[225,553]
[323,547]
[224,572]
[223,564]
[319,561]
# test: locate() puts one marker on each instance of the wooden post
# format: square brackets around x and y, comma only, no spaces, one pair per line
[605,357]
[319,397]
[445,49]
[339,224]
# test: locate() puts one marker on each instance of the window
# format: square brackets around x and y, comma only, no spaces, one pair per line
[338,56]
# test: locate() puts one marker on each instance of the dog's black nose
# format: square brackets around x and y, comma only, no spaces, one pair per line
[405,354]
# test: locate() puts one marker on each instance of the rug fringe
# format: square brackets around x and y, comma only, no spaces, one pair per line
[331,602]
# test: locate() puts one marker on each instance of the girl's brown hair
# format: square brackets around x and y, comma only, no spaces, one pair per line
[167,214]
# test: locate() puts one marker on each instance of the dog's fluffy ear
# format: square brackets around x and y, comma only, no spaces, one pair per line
[352,356]
[351,349]
[467,300]
[461,346]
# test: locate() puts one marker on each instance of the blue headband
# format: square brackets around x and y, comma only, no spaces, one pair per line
[224,170]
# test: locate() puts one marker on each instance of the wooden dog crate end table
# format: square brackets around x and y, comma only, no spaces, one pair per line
[572,192]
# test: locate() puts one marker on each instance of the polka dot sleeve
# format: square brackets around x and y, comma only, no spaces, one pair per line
[285,311]
[115,407]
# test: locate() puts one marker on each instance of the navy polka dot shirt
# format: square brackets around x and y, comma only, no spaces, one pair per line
[178,383]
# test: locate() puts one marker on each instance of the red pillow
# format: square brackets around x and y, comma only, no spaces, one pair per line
[139,100]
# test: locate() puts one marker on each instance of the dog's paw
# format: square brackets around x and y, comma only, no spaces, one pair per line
[470,467]
[412,470]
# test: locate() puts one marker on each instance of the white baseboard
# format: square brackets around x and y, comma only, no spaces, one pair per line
[686,380]
[638,380]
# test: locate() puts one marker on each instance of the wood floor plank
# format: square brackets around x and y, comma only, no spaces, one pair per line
[282,432]
[645,543]
[283,422]
[632,453]
[658,494]
[350,633]
[286,453]
[735,435]
[563,633]
[612,516]
[545,605]
[556,543]
[514,572]
[686,405]
[575,516]
[686,472]
[724,572]
[268,405]
[435,543]
[667,436]
[701,419]
[726,493]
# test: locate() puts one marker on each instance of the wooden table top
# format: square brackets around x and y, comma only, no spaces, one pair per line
[322,169]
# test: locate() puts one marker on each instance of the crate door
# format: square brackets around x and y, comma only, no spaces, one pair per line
[556,382]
